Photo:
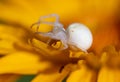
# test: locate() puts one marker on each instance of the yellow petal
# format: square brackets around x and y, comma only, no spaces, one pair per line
[108,75]
[8,37]
[8,77]
[23,63]
[83,74]
[6,43]
[53,75]
[17,31]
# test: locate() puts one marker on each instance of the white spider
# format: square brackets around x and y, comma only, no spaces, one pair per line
[76,35]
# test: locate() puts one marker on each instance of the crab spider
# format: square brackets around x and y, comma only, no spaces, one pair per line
[76,35]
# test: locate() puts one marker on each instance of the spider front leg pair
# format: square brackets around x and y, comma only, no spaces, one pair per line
[58,33]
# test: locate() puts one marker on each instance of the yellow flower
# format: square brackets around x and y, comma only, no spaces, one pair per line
[22,52]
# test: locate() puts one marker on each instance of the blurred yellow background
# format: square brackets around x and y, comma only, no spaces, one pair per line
[101,16]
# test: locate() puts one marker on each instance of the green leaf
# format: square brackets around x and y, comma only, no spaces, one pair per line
[25,78]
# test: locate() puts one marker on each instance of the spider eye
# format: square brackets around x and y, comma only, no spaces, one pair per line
[80,36]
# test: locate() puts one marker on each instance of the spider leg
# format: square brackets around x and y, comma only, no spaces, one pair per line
[48,42]
[45,22]
[37,23]
[42,18]
[48,34]
[49,16]
[65,45]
